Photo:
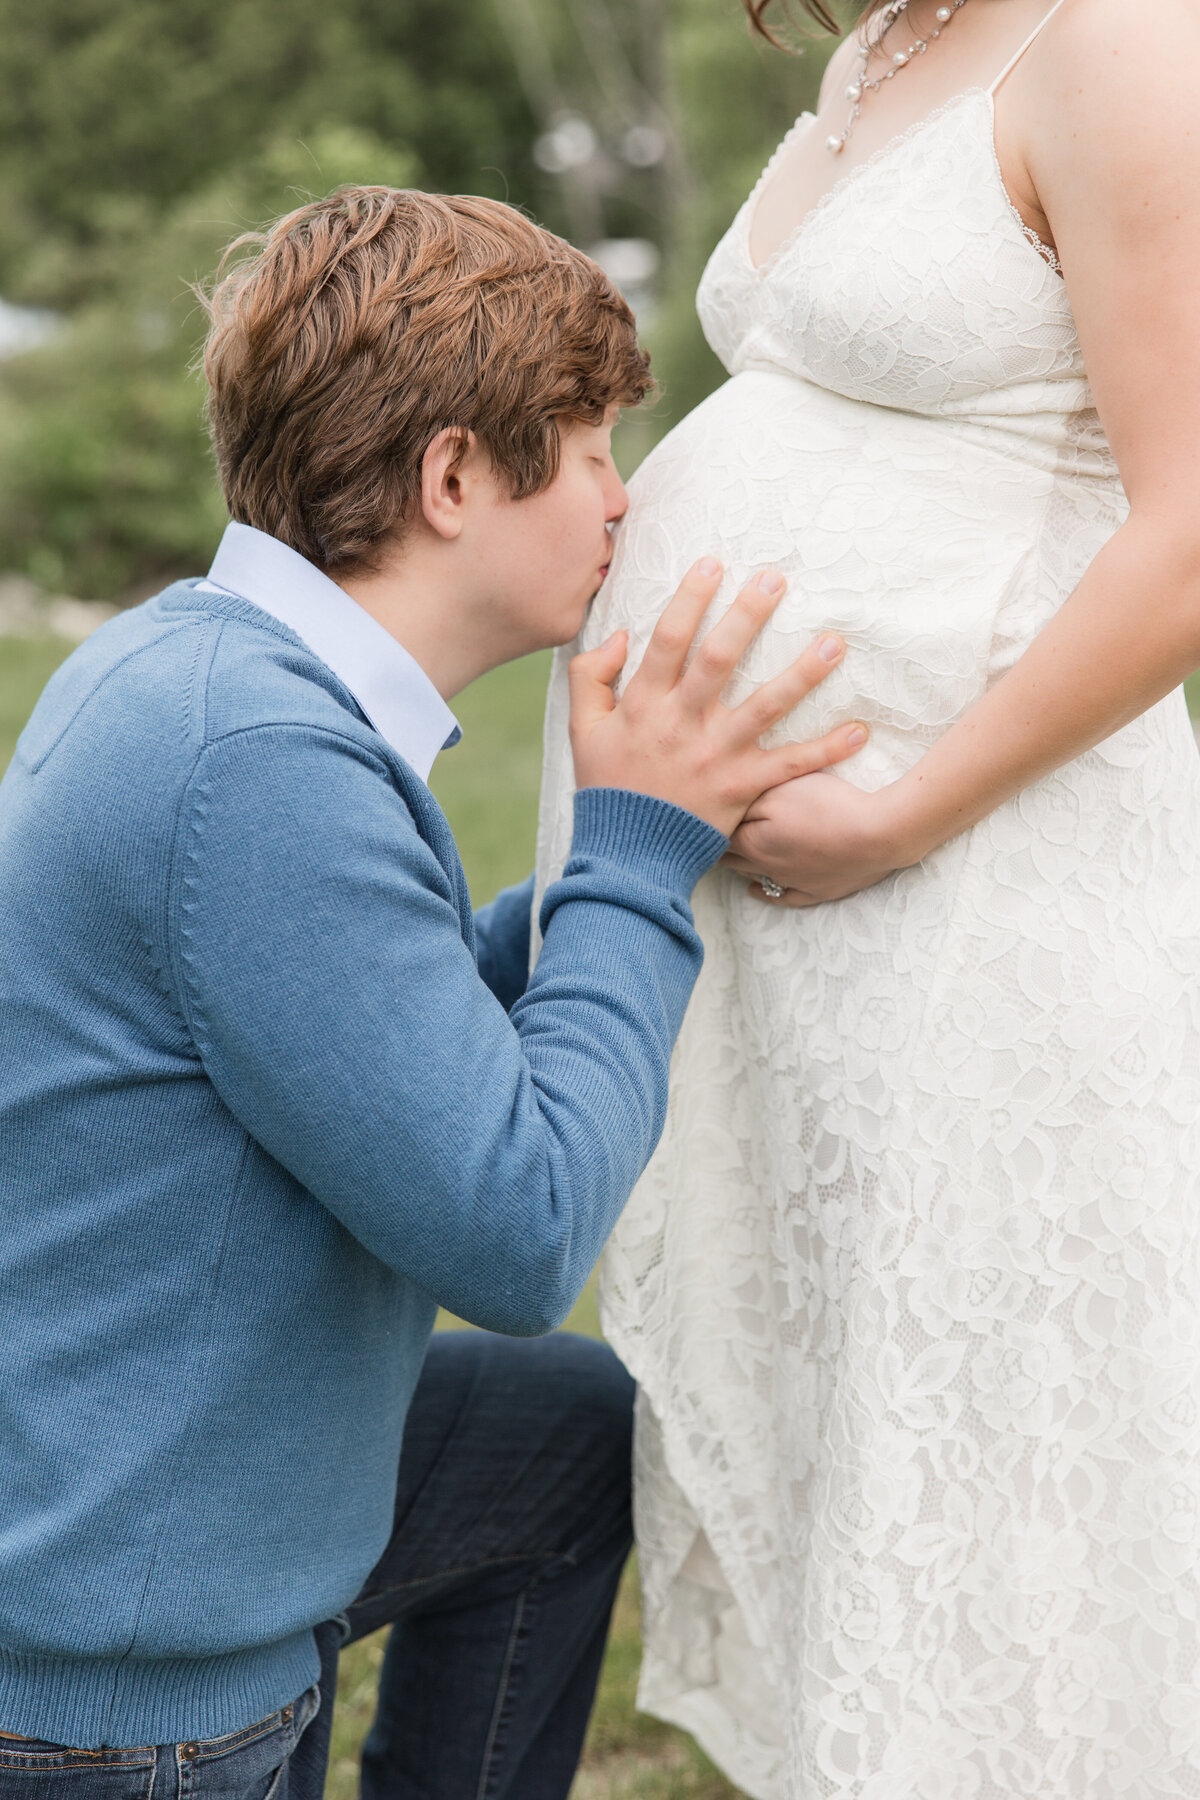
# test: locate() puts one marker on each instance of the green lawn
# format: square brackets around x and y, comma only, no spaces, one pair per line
[26,665]
[488,785]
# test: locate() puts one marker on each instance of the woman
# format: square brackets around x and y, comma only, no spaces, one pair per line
[912,1287]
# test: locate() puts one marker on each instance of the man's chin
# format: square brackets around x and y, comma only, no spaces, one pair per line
[578,619]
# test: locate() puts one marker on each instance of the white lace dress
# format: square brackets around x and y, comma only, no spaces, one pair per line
[912,1286]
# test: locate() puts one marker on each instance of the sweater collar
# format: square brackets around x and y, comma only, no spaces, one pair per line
[391,687]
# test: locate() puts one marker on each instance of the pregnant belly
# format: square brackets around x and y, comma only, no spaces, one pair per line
[924,549]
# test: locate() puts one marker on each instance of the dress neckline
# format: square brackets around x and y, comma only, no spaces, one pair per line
[852,177]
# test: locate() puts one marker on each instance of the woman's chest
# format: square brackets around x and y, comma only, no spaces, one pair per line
[912,284]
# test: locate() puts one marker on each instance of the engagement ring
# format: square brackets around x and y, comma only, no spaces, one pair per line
[770,888]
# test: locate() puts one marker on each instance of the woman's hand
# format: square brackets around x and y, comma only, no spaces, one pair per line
[670,736]
[820,839]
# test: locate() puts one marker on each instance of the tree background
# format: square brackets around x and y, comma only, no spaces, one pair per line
[138,136]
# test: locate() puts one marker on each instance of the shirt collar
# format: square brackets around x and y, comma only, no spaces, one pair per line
[391,687]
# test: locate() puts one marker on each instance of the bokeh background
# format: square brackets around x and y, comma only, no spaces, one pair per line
[136,138]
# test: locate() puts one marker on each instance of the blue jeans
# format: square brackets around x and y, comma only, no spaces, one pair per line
[512,1525]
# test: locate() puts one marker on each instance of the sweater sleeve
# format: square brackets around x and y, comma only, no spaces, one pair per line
[341,1018]
[502,931]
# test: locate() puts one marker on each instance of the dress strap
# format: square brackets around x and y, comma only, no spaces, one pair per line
[1032,39]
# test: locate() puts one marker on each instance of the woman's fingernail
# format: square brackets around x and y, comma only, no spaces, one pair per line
[770,581]
[858,736]
[708,565]
[829,649]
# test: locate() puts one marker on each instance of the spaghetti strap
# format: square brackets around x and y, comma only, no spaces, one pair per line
[1030,40]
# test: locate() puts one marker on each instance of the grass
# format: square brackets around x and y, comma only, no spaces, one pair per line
[26,665]
[488,786]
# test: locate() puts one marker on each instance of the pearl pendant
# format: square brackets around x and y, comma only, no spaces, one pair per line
[835,145]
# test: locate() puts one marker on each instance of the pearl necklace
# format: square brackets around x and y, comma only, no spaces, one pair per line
[860,87]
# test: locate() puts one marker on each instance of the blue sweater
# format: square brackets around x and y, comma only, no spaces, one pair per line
[259,1115]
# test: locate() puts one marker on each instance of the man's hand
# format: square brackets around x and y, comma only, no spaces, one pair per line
[670,736]
[820,839]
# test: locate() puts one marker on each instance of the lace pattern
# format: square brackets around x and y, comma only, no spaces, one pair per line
[912,1286]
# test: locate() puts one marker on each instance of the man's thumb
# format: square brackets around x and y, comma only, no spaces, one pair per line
[591,675]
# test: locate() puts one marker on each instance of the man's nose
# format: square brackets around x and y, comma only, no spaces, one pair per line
[616,500]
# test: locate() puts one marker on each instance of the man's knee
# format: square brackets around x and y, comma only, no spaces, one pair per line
[577,1377]
[568,1395]
[594,1384]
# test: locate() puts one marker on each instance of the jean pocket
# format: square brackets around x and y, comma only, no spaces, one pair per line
[245,1764]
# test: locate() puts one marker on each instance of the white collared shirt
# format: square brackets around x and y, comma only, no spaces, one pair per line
[391,687]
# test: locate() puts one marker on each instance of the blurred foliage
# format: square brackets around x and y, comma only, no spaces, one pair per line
[733,98]
[114,111]
[106,480]
[138,136]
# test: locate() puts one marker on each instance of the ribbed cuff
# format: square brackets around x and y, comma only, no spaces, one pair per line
[649,837]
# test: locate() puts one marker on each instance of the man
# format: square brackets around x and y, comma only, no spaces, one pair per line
[262,1107]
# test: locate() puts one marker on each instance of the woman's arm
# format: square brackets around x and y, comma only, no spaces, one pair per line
[1117,173]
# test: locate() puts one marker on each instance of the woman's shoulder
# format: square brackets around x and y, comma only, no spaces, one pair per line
[1111,52]
[1110,105]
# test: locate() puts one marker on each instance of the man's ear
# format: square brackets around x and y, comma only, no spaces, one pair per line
[445,480]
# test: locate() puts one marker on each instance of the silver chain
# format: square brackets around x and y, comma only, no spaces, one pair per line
[860,87]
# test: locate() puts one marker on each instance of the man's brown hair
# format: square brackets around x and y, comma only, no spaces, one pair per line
[351,332]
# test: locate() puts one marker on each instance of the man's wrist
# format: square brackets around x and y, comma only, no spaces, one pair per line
[624,825]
